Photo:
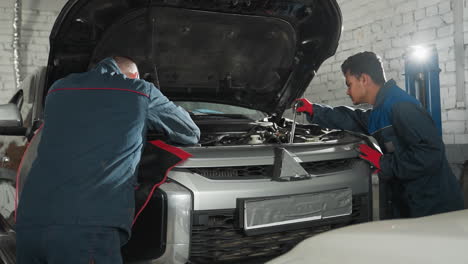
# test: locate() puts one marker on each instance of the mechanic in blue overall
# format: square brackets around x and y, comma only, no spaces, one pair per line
[413,165]
[77,204]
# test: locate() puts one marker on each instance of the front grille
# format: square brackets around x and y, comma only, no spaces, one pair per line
[328,166]
[217,239]
[266,171]
[243,172]
[7,242]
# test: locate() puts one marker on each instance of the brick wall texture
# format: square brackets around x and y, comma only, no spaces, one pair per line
[37,23]
[386,27]
[34,43]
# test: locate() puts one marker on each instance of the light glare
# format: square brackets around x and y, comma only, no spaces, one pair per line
[419,53]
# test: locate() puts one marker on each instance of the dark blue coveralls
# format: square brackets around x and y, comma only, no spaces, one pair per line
[77,204]
[414,163]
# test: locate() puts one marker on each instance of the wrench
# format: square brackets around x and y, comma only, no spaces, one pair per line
[293,127]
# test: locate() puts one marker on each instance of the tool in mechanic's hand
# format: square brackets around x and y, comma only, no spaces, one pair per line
[305,106]
[293,127]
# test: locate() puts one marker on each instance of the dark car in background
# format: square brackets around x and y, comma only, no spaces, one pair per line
[252,190]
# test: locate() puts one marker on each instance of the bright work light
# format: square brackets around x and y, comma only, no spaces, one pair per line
[419,53]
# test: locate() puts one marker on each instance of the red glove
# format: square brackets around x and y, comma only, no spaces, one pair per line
[371,155]
[305,106]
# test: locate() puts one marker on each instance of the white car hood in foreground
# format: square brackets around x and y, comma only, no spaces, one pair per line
[434,239]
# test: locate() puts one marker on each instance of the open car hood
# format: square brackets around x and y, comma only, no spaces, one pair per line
[256,54]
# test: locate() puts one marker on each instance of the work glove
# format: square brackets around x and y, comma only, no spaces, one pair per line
[304,106]
[371,155]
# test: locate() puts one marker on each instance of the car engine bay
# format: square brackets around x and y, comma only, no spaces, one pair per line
[235,130]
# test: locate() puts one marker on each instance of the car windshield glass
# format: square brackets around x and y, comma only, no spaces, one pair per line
[204,108]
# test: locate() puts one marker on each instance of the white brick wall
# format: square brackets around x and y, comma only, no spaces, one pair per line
[34,43]
[387,29]
[38,17]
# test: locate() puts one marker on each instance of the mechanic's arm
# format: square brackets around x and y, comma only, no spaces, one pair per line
[172,120]
[421,148]
[341,117]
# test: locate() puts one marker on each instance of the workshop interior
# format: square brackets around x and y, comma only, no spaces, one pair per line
[234,131]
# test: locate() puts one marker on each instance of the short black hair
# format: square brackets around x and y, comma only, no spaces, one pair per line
[365,62]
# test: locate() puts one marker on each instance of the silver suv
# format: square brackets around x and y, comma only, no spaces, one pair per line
[258,183]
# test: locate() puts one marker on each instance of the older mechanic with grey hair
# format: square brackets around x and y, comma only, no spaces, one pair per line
[78,203]
[413,164]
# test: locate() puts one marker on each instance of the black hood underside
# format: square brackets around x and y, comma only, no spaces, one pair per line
[256,54]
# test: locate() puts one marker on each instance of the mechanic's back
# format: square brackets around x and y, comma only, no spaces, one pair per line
[93,133]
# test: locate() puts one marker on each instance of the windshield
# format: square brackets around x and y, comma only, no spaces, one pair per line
[204,108]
